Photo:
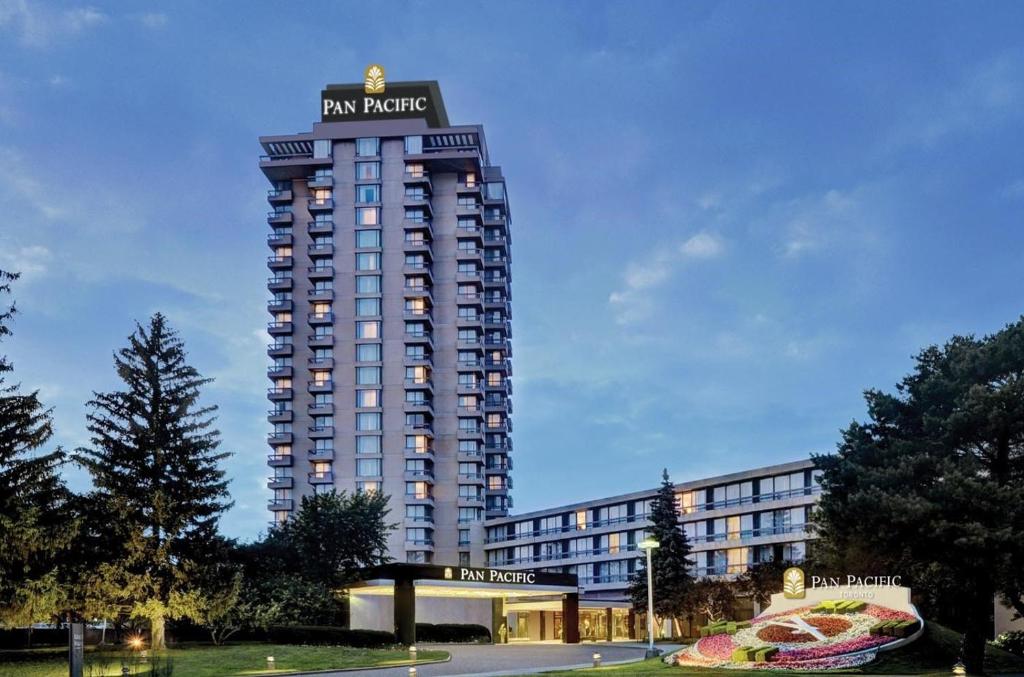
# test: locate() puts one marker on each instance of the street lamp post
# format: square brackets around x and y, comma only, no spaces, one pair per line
[649,544]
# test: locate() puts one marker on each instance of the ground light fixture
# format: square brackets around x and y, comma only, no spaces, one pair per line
[650,544]
[597,660]
[412,653]
[270,663]
[959,669]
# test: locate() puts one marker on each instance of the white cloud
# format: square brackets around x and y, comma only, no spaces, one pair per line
[39,26]
[814,222]
[30,261]
[1015,190]
[153,19]
[641,276]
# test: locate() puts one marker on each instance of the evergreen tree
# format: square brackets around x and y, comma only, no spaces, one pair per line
[673,582]
[34,520]
[155,465]
[932,486]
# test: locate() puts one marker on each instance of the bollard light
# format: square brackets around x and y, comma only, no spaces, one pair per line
[124,671]
[270,663]
[412,672]
[412,653]
[597,660]
[959,669]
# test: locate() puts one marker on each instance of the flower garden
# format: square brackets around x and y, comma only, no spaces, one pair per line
[828,635]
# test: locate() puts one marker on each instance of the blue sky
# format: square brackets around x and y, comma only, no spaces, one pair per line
[729,218]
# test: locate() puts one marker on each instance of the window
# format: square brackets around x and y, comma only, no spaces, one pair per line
[367,238]
[367,284]
[416,443]
[370,487]
[367,193]
[367,329]
[368,261]
[417,489]
[367,170]
[581,519]
[368,352]
[367,147]
[494,190]
[469,514]
[367,307]
[367,216]
[368,421]
[413,145]
[321,148]
[368,376]
[367,398]
[469,447]
[367,444]
[368,467]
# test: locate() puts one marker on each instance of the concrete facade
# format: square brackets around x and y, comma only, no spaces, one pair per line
[390,327]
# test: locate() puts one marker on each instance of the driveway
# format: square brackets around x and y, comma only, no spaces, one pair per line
[507,659]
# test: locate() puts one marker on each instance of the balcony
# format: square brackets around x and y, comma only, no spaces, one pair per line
[320,318]
[276,196]
[280,504]
[418,315]
[320,250]
[465,210]
[320,341]
[281,237]
[277,328]
[471,501]
[280,262]
[280,349]
[279,305]
[471,254]
[320,454]
[320,181]
[467,276]
[320,295]
[413,178]
[418,269]
[326,477]
[470,344]
[280,482]
[416,246]
[419,452]
[469,456]
[419,476]
[280,416]
[280,217]
[280,283]
[474,366]
[324,205]
[464,321]
[463,188]
[419,407]
[504,446]
[321,387]
[419,384]
[279,460]
[470,434]
[320,227]
[471,478]
[320,272]
[467,388]
[425,429]
[321,432]
[279,371]
[420,498]
[320,362]
[279,394]
[275,439]
[323,409]
[419,292]
[415,337]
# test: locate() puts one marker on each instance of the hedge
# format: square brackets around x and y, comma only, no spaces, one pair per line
[329,635]
[452,632]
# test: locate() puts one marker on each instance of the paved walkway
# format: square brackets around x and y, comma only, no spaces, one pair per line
[508,659]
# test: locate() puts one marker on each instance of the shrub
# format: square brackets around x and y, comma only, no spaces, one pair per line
[452,632]
[329,635]
[1012,641]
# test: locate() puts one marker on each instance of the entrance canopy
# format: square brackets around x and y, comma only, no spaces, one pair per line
[406,582]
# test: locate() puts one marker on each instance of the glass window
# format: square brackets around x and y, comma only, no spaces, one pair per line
[368,444]
[367,147]
[368,352]
[367,170]
[367,398]
[367,238]
[368,284]
[368,375]
[368,467]
[321,148]
[368,421]
[368,329]
[367,193]
[413,145]
[368,261]
[367,307]
[367,216]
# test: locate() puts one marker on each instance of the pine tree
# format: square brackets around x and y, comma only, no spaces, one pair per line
[155,464]
[34,522]
[673,582]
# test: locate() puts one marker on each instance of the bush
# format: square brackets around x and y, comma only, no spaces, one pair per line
[1012,641]
[452,632]
[329,635]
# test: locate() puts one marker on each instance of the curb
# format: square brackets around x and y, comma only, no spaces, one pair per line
[331,671]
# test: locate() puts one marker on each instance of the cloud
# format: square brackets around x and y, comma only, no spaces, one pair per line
[31,261]
[630,303]
[1015,190]
[39,26]
[153,19]
[814,222]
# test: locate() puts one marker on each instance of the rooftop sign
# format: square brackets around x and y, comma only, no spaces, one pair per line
[376,99]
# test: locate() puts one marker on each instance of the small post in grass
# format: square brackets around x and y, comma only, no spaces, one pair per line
[412,672]
[959,669]
[597,660]
[270,663]
[412,653]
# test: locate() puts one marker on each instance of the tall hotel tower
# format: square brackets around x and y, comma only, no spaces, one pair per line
[389,307]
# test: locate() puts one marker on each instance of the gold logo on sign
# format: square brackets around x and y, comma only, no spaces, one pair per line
[447,573]
[793,583]
[373,79]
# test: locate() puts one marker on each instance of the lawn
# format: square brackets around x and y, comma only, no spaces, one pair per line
[932,654]
[215,661]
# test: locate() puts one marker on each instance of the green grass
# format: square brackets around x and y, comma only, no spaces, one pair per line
[215,661]
[933,654]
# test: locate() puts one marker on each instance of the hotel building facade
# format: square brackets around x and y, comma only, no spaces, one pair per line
[389,238]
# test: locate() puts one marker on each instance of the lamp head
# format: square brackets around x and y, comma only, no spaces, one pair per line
[649,543]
